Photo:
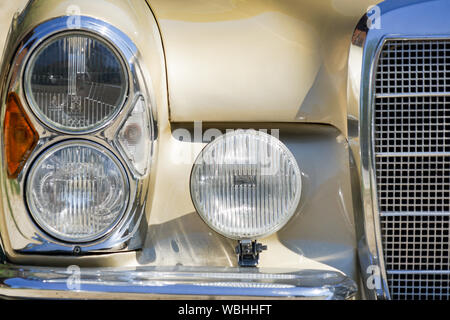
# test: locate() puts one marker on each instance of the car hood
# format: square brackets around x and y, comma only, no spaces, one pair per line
[258,60]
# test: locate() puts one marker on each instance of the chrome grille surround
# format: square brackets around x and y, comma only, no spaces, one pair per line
[413,21]
[411,148]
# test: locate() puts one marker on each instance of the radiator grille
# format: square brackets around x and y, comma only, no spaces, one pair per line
[411,124]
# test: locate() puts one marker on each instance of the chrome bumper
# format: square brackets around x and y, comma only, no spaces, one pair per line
[172,283]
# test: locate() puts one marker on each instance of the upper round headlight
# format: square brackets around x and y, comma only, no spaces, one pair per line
[75,82]
[246,184]
[77,191]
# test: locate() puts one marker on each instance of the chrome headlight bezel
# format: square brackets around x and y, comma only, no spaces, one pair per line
[24,235]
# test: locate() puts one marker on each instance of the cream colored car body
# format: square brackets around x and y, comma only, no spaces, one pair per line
[236,63]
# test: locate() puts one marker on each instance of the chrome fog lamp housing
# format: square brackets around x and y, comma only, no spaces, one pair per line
[77,191]
[246,184]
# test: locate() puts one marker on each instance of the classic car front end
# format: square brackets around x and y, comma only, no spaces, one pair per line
[227,148]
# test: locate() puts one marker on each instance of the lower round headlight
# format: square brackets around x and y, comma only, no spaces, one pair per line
[246,184]
[77,191]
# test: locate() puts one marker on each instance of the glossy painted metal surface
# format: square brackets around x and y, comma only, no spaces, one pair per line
[322,229]
[258,60]
[8,9]
[399,20]
[181,282]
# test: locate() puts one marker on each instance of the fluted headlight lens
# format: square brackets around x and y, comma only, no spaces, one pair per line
[75,82]
[246,184]
[77,191]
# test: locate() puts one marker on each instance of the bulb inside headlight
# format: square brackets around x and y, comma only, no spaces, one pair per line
[246,184]
[75,82]
[77,191]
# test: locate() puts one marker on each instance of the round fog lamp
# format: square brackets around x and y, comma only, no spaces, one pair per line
[246,184]
[77,191]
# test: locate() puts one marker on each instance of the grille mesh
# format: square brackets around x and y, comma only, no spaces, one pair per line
[416,242]
[411,124]
[414,66]
[425,286]
[413,184]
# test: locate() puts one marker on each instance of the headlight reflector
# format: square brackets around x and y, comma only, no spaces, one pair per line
[246,184]
[77,191]
[75,82]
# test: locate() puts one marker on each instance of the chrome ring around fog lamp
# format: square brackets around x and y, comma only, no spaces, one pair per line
[246,184]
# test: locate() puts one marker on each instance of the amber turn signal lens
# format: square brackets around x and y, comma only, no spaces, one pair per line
[19,134]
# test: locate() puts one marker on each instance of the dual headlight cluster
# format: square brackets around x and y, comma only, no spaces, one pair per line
[77,190]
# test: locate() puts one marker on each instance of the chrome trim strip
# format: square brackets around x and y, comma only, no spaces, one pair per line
[411,154]
[361,59]
[2,252]
[438,272]
[408,95]
[418,213]
[368,124]
[173,282]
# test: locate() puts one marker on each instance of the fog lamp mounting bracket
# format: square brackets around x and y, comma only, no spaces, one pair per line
[248,252]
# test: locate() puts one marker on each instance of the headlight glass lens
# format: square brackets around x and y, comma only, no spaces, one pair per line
[75,82]
[77,191]
[246,184]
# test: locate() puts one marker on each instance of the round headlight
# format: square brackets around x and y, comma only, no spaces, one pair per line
[246,184]
[75,82]
[77,191]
